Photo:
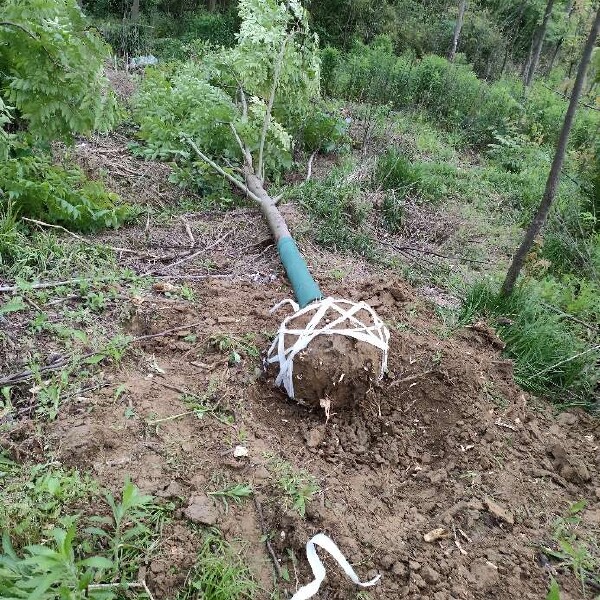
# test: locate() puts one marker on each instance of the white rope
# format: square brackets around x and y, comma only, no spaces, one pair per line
[309,590]
[345,323]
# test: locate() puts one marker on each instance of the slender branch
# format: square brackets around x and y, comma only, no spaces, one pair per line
[243,147]
[31,35]
[62,361]
[259,169]
[51,284]
[309,166]
[85,240]
[221,171]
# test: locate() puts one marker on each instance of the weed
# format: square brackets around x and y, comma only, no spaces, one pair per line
[204,405]
[219,573]
[233,345]
[395,172]
[235,493]
[298,485]
[37,498]
[576,548]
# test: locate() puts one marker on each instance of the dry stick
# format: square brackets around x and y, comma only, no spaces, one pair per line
[423,251]
[309,166]
[570,317]
[263,528]
[58,364]
[51,284]
[82,239]
[188,230]
[204,250]
[136,584]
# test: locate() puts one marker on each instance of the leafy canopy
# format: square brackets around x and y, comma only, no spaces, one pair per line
[51,70]
[229,89]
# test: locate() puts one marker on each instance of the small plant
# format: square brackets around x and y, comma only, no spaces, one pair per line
[233,345]
[235,493]
[298,485]
[576,549]
[395,172]
[205,405]
[219,573]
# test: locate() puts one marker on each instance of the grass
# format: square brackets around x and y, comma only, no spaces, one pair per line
[53,547]
[550,358]
[233,493]
[219,573]
[297,485]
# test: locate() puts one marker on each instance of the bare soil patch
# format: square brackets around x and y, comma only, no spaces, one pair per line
[446,442]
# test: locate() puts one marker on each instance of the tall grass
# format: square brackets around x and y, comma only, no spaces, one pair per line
[550,357]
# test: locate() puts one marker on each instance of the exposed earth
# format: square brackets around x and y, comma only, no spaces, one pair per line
[445,449]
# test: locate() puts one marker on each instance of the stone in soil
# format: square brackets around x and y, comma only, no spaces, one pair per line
[201,510]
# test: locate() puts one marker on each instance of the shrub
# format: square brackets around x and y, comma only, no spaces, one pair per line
[32,186]
[214,27]
[394,171]
[452,94]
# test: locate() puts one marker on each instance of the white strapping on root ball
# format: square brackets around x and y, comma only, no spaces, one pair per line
[332,349]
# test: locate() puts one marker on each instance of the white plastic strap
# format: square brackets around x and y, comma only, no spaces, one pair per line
[308,591]
[346,323]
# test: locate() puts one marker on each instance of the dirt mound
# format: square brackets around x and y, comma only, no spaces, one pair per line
[446,447]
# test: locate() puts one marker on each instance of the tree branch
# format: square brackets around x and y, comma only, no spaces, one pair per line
[259,169]
[241,186]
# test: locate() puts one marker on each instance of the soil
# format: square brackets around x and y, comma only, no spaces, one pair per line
[446,442]
[445,449]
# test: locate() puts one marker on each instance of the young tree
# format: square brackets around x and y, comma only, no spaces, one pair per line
[462,7]
[536,48]
[554,176]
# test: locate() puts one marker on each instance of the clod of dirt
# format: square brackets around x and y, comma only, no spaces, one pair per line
[337,369]
[571,470]
[499,512]
[201,510]
[484,574]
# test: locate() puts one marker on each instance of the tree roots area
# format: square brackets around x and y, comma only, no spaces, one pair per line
[444,477]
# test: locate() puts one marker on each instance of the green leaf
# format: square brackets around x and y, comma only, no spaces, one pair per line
[15,304]
[553,591]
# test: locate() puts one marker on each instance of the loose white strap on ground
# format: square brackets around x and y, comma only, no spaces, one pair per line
[308,591]
[376,334]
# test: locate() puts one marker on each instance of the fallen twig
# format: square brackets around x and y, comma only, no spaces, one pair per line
[86,241]
[135,584]
[62,361]
[188,230]
[203,251]
[309,166]
[263,528]
[51,284]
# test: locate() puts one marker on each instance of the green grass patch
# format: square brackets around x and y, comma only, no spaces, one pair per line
[219,573]
[550,356]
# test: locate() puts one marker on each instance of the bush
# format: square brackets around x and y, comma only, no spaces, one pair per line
[550,358]
[32,186]
[214,27]
[452,94]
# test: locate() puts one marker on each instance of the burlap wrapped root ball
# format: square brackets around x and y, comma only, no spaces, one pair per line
[330,353]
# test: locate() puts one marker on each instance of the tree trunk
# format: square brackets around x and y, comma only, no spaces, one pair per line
[212,5]
[539,42]
[554,176]
[457,29]
[135,10]
[554,55]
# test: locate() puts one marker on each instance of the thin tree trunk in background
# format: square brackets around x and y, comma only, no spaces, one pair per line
[212,5]
[554,176]
[554,55]
[539,43]
[135,10]
[457,29]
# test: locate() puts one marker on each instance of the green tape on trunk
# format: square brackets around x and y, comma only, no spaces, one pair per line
[305,287]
